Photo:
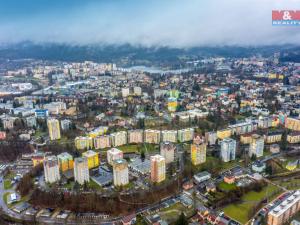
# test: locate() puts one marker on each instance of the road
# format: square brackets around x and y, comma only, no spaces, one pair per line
[3,204]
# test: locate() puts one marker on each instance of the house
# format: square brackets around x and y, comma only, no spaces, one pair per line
[229,179]
[202,176]
[128,220]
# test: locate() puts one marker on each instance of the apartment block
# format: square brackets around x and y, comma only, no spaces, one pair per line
[114,154]
[101,142]
[92,158]
[198,153]
[152,136]
[81,170]
[54,129]
[51,169]
[169,136]
[119,138]
[167,150]
[228,149]
[135,136]
[65,161]
[158,168]
[82,143]
[257,145]
[292,123]
[185,135]
[120,172]
[282,213]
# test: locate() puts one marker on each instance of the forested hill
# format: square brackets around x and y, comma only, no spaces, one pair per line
[126,54]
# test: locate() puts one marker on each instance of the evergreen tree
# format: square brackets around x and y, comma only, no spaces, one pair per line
[182,220]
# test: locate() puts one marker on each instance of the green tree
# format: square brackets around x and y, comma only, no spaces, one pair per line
[253,157]
[143,155]
[283,143]
[182,220]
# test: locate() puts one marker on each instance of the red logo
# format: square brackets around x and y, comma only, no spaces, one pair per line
[286,15]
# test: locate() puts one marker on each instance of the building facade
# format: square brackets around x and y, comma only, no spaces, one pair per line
[81,170]
[101,142]
[82,143]
[185,135]
[92,158]
[54,129]
[158,168]
[65,161]
[167,150]
[169,136]
[118,138]
[198,153]
[120,172]
[257,146]
[152,136]
[51,169]
[135,136]
[228,149]
[282,213]
[114,154]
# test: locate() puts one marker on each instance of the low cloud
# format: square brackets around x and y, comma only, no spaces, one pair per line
[154,23]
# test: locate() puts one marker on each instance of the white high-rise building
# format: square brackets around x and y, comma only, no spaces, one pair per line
[158,168]
[51,169]
[135,136]
[167,150]
[114,154]
[101,142]
[228,149]
[120,172]
[125,92]
[81,170]
[169,136]
[152,136]
[119,138]
[257,145]
[137,91]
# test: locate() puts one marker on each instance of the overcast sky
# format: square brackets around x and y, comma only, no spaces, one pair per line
[173,23]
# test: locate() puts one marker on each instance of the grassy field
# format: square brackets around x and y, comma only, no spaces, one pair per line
[10,175]
[290,184]
[226,187]
[7,184]
[215,165]
[5,197]
[69,185]
[171,213]
[240,211]
[135,148]
[93,185]
[129,148]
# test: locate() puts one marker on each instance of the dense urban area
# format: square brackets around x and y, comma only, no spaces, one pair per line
[215,141]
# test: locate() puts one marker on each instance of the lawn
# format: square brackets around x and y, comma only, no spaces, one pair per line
[240,211]
[215,165]
[226,187]
[93,185]
[138,147]
[23,199]
[69,185]
[171,213]
[7,184]
[5,197]
[290,184]
[128,148]
[10,175]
